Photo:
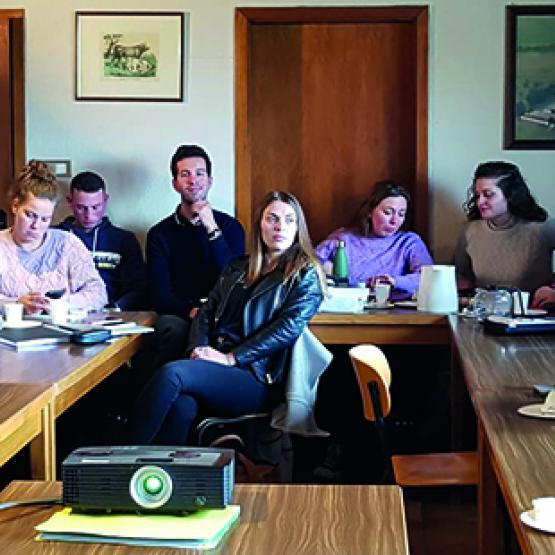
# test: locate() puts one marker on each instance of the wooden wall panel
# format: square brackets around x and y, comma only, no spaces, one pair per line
[337,99]
[275,109]
[358,116]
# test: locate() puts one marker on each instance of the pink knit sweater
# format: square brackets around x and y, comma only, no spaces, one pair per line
[61,262]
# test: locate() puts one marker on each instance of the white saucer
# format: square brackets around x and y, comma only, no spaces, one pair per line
[535,411]
[406,304]
[374,304]
[536,312]
[528,518]
[23,324]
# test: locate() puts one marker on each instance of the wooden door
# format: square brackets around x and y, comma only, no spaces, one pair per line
[12,100]
[329,101]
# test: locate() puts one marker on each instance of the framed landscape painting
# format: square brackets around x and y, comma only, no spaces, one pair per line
[530,78]
[129,56]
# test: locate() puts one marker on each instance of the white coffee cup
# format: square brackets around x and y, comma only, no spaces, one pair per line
[59,310]
[381,291]
[520,309]
[13,313]
[544,510]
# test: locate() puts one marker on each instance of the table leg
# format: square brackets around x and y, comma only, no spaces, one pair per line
[490,517]
[43,447]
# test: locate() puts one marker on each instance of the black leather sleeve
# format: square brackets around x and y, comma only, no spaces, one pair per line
[301,303]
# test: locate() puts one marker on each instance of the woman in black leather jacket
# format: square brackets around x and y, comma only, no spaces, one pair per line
[240,340]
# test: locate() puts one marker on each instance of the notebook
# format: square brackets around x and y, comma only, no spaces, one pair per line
[202,529]
[38,337]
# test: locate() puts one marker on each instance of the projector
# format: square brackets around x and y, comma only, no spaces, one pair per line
[149,479]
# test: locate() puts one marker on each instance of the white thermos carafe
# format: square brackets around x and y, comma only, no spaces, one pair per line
[438,289]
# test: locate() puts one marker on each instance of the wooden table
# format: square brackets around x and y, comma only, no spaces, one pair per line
[516,457]
[26,415]
[490,362]
[72,370]
[516,453]
[275,519]
[382,327]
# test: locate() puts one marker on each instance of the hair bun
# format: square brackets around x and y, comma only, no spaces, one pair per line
[37,169]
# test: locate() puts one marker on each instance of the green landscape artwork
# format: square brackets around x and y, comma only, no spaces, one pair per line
[535,78]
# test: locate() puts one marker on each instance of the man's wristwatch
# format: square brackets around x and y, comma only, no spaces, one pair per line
[214,234]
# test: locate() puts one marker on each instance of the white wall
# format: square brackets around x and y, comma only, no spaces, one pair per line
[130,144]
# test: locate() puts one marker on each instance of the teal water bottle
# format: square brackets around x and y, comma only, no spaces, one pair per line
[341,265]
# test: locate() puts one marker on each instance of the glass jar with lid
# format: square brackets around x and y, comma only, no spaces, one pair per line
[492,301]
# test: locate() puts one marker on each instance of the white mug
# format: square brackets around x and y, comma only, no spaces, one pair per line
[13,312]
[544,509]
[381,291]
[59,309]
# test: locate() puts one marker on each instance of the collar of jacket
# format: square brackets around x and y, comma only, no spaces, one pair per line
[265,283]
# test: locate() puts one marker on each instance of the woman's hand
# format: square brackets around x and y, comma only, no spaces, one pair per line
[544,295]
[212,355]
[385,278]
[33,303]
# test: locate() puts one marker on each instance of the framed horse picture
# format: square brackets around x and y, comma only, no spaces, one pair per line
[129,56]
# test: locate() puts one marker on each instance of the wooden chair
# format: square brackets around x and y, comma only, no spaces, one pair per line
[436,469]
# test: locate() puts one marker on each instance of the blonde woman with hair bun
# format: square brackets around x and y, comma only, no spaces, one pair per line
[35,259]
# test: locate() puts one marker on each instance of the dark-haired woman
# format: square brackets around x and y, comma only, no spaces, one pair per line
[241,338]
[378,250]
[509,238]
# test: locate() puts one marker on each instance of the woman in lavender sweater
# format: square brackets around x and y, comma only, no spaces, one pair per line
[35,259]
[377,248]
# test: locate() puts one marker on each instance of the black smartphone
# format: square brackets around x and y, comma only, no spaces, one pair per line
[55,293]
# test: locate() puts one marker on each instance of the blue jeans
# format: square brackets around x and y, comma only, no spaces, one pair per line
[171,400]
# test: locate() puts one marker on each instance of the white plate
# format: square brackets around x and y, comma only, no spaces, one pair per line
[406,304]
[528,518]
[535,411]
[374,304]
[536,312]
[23,324]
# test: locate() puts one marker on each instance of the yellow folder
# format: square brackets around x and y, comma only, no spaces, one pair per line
[201,529]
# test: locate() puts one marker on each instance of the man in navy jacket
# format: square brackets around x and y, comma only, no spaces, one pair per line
[115,251]
[187,251]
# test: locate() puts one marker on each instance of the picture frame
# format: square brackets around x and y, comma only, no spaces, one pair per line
[129,56]
[529,118]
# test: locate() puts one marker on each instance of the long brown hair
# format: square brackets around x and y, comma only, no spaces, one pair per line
[520,201]
[35,178]
[299,255]
[362,221]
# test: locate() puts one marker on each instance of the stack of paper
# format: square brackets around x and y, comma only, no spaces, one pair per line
[116,328]
[202,529]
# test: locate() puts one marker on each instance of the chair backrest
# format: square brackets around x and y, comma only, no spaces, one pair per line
[370,366]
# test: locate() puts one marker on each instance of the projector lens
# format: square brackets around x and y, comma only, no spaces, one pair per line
[151,487]
[153,484]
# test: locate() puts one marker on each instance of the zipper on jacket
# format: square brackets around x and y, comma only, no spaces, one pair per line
[223,304]
[269,379]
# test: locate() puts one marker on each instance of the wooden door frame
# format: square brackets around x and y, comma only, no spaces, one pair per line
[247,17]
[12,128]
